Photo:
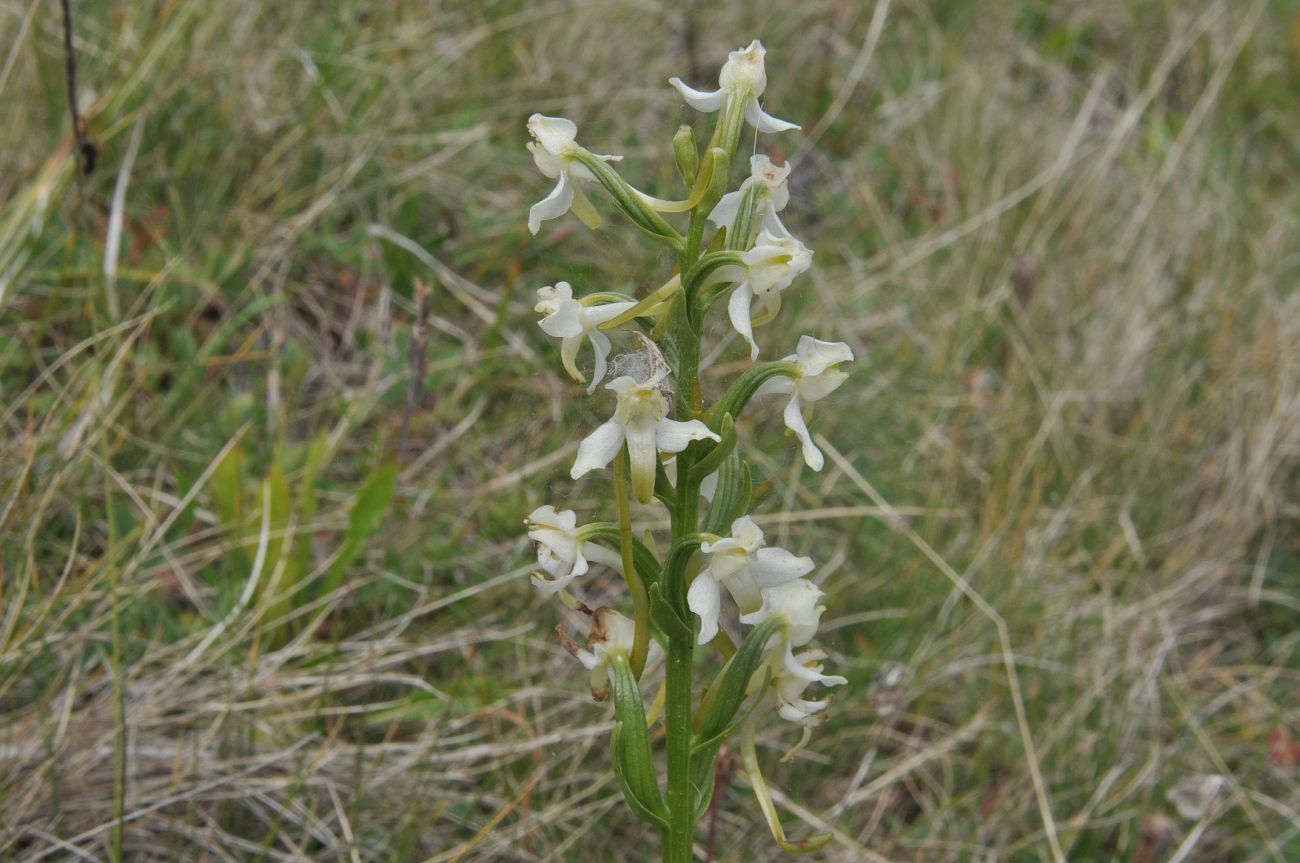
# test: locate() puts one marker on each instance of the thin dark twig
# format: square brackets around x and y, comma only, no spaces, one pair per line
[419,362]
[86,150]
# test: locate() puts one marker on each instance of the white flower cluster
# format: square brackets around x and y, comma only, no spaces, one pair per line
[755,269]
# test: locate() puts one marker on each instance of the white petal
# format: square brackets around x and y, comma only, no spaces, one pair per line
[765,122]
[548,516]
[553,205]
[773,566]
[793,416]
[674,436]
[747,534]
[815,355]
[738,311]
[705,601]
[555,134]
[600,348]
[699,99]
[598,449]
[724,212]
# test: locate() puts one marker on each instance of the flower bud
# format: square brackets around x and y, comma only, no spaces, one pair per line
[686,153]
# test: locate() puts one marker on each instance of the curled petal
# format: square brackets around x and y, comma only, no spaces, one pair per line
[793,416]
[705,601]
[699,99]
[738,311]
[553,205]
[600,346]
[569,355]
[763,121]
[598,449]
[675,436]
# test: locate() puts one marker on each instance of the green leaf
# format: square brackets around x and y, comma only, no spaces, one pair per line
[731,499]
[366,517]
[674,575]
[631,747]
[719,705]
[667,619]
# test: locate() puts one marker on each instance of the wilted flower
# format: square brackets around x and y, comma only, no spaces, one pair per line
[640,419]
[742,80]
[571,321]
[744,567]
[563,552]
[770,198]
[817,376]
[611,636]
[556,155]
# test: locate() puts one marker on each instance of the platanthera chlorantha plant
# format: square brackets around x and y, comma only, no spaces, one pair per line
[665,442]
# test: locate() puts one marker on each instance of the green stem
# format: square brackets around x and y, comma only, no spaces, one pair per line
[635,584]
[681,796]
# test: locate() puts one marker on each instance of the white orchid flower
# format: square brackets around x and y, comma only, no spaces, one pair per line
[769,268]
[790,679]
[817,375]
[571,321]
[772,196]
[563,551]
[612,635]
[555,152]
[640,420]
[742,80]
[798,604]
[742,565]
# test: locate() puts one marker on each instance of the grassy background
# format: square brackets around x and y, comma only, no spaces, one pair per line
[1059,534]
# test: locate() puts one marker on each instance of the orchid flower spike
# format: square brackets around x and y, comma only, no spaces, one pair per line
[563,551]
[611,637]
[573,320]
[769,268]
[555,152]
[817,375]
[742,80]
[640,420]
[742,565]
[771,196]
